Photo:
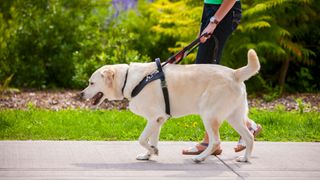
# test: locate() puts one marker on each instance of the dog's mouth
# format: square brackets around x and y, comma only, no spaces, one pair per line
[97,98]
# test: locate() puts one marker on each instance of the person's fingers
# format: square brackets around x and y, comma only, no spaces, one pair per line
[203,39]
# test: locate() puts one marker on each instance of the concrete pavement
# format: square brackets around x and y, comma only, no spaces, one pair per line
[116,160]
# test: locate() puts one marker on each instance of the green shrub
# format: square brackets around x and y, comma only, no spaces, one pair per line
[42,35]
[51,43]
[56,43]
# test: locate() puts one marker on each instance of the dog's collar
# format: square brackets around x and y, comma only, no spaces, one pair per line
[125,82]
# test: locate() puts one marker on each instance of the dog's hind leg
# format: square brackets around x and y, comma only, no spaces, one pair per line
[150,133]
[212,128]
[237,121]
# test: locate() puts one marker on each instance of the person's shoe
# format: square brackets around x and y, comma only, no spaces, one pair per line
[240,146]
[257,132]
[199,148]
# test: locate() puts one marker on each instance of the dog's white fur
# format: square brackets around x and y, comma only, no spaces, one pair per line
[214,92]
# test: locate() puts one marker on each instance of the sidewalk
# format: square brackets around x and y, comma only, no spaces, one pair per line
[116,160]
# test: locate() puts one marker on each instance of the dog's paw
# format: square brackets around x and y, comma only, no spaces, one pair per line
[197,159]
[242,159]
[143,157]
[154,151]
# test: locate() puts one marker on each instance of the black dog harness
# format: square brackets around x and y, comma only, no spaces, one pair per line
[159,74]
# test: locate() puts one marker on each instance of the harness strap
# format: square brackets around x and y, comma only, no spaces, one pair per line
[125,82]
[164,87]
[154,76]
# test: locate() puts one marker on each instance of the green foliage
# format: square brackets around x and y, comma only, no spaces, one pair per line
[5,85]
[179,20]
[302,80]
[301,105]
[42,37]
[271,95]
[55,43]
[52,43]
[274,29]
[114,49]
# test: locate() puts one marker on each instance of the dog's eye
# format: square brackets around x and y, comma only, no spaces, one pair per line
[91,83]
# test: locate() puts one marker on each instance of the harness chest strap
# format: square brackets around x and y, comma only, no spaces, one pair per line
[152,77]
[164,87]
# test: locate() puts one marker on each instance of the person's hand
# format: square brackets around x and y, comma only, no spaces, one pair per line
[209,30]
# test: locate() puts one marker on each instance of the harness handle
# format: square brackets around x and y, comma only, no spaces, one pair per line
[175,59]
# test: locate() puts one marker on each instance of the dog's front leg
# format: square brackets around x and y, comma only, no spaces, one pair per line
[154,138]
[150,131]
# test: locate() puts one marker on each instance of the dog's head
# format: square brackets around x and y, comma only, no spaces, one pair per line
[105,83]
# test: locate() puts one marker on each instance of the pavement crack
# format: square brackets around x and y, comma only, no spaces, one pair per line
[229,167]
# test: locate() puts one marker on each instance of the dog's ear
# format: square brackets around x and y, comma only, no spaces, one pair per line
[108,76]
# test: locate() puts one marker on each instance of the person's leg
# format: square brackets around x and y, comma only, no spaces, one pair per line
[200,147]
[210,52]
[254,128]
[205,55]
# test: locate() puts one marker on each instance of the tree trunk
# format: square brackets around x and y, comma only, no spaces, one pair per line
[283,74]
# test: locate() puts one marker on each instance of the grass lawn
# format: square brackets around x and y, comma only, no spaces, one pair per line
[76,124]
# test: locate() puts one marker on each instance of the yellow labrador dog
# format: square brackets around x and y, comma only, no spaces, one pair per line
[214,92]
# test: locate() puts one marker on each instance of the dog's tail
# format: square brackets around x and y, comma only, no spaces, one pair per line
[250,69]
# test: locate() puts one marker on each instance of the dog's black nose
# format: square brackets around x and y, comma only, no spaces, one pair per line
[79,96]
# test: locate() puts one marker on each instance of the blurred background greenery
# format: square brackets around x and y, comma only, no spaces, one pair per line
[49,44]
